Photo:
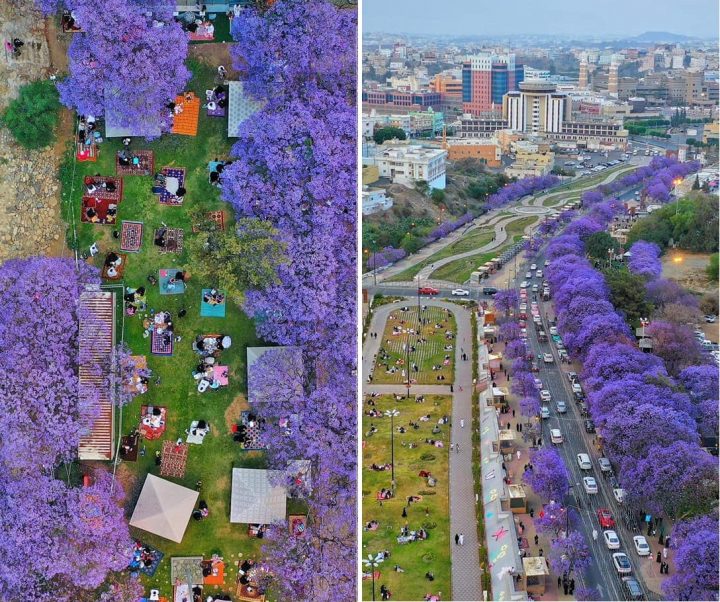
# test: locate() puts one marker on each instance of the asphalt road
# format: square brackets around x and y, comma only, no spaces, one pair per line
[602,574]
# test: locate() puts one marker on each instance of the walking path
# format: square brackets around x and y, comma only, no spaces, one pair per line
[528,206]
[466,584]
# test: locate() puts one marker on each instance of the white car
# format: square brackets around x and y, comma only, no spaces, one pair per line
[535,288]
[553,331]
[590,485]
[576,388]
[583,461]
[528,275]
[545,395]
[641,545]
[533,267]
[612,541]
[622,563]
[524,284]
[547,262]
[560,406]
[548,358]
[545,412]
[556,436]
[538,384]
[619,495]
[460,292]
[538,273]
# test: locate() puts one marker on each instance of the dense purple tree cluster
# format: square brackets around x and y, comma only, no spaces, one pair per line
[446,227]
[548,476]
[385,257]
[58,541]
[570,554]
[516,190]
[127,64]
[295,167]
[645,260]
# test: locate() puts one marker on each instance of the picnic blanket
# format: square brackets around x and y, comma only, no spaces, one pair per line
[217,576]
[187,114]
[129,448]
[131,236]
[162,344]
[174,239]
[213,216]
[252,433]
[169,198]
[221,375]
[105,210]
[202,33]
[213,107]
[152,426]
[144,167]
[173,459]
[102,193]
[195,435]
[119,270]
[168,288]
[211,311]
[84,152]
[146,559]
[297,524]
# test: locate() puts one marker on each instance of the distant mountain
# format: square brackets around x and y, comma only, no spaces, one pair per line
[660,37]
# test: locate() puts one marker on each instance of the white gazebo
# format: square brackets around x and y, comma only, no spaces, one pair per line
[164,508]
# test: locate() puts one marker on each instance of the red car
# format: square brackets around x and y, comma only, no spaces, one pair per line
[428,290]
[606,518]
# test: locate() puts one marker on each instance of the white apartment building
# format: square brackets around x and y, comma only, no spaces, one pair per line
[537,108]
[375,201]
[409,164]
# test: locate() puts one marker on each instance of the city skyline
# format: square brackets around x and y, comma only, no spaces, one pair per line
[615,19]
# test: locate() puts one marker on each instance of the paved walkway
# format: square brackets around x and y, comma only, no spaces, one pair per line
[466,584]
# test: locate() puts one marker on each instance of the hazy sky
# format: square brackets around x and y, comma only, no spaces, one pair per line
[562,17]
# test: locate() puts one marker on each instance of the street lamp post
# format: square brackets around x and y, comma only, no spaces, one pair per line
[372,562]
[391,414]
[676,182]
[644,322]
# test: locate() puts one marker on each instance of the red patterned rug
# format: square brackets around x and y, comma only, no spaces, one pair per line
[144,167]
[173,459]
[131,234]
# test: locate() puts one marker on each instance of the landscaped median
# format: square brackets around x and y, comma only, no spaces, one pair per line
[415,426]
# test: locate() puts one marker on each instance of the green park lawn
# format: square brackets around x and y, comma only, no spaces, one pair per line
[432,513]
[556,198]
[211,462]
[427,355]
[460,270]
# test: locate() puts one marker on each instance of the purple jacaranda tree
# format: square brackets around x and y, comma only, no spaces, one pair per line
[509,331]
[633,428]
[675,345]
[520,364]
[523,385]
[530,405]
[591,197]
[506,301]
[384,257]
[581,308]
[447,227]
[611,362]
[696,560]
[565,244]
[645,260]
[673,479]
[701,382]
[516,190]
[661,292]
[295,48]
[123,66]
[584,593]
[584,227]
[42,405]
[515,349]
[549,476]
[570,554]
[598,328]
[553,519]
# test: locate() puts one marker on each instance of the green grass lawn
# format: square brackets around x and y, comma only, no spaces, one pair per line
[431,513]
[460,270]
[211,462]
[428,354]
[585,182]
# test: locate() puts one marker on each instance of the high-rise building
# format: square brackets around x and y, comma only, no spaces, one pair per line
[537,108]
[583,79]
[486,78]
[613,79]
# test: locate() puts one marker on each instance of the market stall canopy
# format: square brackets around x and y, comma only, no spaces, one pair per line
[164,508]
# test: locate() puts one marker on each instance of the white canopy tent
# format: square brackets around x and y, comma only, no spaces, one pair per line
[254,498]
[164,508]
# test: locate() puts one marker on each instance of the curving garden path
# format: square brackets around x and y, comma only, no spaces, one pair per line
[466,572]
[528,206]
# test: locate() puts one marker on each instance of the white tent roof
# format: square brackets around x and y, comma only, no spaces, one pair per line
[164,508]
[254,499]
[240,107]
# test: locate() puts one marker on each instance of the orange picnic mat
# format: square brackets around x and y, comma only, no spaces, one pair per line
[185,122]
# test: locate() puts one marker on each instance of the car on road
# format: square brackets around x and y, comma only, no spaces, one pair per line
[460,292]
[533,267]
[590,485]
[562,354]
[576,388]
[560,406]
[545,412]
[612,541]
[553,330]
[535,288]
[556,436]
[584,462]
[605,518]
[641,545]
[619,495]
[572,377]
[633,590]
[534,367]
[539,273]
[548,358]
[547,262]
[589,426]
[489,290]
[528,275]
[545,395]
[428,290]
[538,383]
[524,284]
[612,479]
[622,563]
[710,319]
[604,465]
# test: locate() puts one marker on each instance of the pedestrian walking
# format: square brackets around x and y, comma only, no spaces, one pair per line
[520,426]
[540,553]
[595,534]
[457,539]
[665,553]
[657,558]
[536,540]
[559,581]
[451,388]
[462,539]
[404,512]
[457,448]
[462,423]
[513,413]
[518,454]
